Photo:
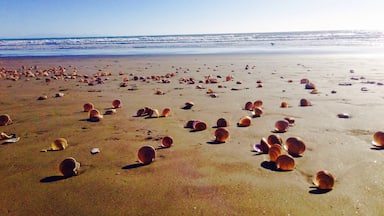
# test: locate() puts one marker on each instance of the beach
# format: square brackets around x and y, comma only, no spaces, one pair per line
[195,176]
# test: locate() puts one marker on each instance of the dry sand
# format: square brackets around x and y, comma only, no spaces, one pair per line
[194,176]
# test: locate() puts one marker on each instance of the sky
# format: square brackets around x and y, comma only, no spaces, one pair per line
[66,18]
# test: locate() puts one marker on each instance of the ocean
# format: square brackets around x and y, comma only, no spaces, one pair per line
[310,42]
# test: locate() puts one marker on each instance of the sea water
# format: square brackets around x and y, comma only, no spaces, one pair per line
[316,42]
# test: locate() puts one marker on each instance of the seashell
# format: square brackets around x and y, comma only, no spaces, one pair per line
[290,120]
[310,85]
[257,112]
[284,104]
[94,115]
[199,125]
[166,141]
[166,112]
[69,167]
[88,107]
[60,94]
[140,112]
[378,139]
[343,115]
[274,139]
[304,81]
[324,180]
[295,146]
[146,154]
[188,105]
[189,124]
[281,126]
[5,119]
[44,97]
[3,136]
[305,102]
[116,103]
[110,111]
[262,147]
[221,135]
[258,103]
[285,162]
[59,144]
[314,91]
[95,150]
[248,105]
[274,152]
[222,122]
[153,113]
[245,121]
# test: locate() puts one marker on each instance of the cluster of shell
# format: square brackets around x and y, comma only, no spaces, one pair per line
[158,78]
[94,115]
[153,113]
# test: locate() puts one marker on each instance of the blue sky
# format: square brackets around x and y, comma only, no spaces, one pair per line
[55,18]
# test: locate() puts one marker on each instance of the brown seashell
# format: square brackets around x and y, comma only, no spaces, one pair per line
[153,113]
[378,139]
[140,112]
[304,81]
[310,85]
[69,167]
[274,139]
[166,141]
[284,104]
[59,144]
[110,111]
[263,146]
[189,124]
[248,105]
[281,126]
[314,91]
[95,115]
[166,112]
[257,112]
[188,105]
[88,107]
[116,103]
[146,154]
[44,97]
[285,162]
[222,122]
[344,115]
[305,102]
[275,151]
[221,135]
[324,180]
[290,120]
[199,125]
[5,119]
[258,103]
[245,121]
[295,146]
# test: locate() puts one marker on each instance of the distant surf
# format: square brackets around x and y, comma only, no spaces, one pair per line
[242,43]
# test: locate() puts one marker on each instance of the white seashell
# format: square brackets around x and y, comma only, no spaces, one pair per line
[95,150]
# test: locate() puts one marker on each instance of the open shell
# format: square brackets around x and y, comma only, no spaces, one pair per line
[295,146]
[274,139]
[221,135]
[166,112]
[378,139]
[166,141]
[116,103]
[140,112]
[5,119]
[245,121]
[88,107]
[274,152]
[290,120]
[285,162]
[188,105]
[262,147]
[146,154]
[69,167]
[222,122]
[59,144]
[324,180]
[281,126]
[153,113]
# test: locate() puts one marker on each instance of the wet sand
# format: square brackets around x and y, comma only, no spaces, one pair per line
[195,176]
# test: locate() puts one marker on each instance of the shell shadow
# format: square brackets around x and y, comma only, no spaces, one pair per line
[278,132]
[133,166]
[52,179]
[316,190]
[269,165]
[214,142]
[162,147]
[377,148]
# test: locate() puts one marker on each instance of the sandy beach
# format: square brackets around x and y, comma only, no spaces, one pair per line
[195,176]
